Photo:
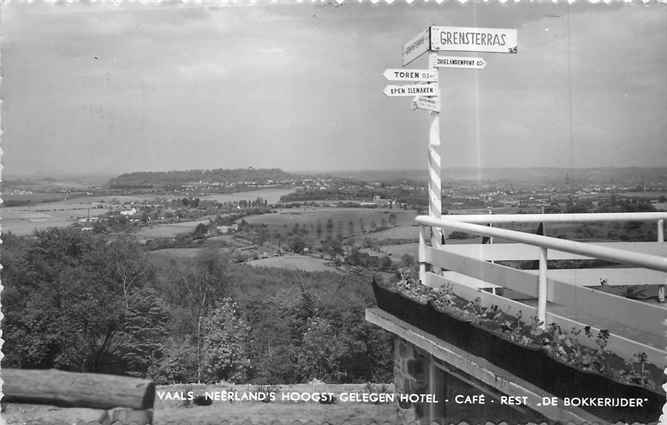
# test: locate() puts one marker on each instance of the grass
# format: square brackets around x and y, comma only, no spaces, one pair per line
[232,413]
[169,230]
[341,217]
[294,262]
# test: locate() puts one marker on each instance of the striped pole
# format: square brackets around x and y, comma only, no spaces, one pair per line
[434,167]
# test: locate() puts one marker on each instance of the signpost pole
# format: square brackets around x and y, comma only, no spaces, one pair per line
[434,167]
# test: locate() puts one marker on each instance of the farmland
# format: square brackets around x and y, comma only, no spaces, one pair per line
[294,262]
[23,220]
[272,196]
[169,230]
[348,220]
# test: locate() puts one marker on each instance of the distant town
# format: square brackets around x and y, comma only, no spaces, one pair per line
[271,212]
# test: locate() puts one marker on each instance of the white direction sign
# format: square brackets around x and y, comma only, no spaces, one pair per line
[471,39]
[418,75]
[416,47]
[459,62]
[426,103]
[412,90]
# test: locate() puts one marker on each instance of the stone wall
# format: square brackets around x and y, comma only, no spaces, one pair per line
[411,376]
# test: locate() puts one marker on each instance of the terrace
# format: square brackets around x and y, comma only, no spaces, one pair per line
[459,331]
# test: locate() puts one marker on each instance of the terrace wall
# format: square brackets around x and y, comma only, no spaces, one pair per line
[410,376]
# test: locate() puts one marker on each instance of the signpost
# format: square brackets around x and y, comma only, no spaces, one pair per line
[460,62]
[468,39]
[427,96]
[412,90]
[426,103]
[416,47]
[416,75]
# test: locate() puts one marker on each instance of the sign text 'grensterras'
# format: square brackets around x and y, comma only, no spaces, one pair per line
[499,40]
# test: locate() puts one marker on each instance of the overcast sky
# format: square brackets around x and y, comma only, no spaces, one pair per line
[99,89]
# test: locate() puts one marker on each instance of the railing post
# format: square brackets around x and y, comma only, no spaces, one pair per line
[661,230]
[421,254]
[542,288]
[491,237]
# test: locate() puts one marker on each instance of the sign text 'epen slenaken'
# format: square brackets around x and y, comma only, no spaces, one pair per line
[412,90]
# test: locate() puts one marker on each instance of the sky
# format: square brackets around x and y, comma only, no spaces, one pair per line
[91,88]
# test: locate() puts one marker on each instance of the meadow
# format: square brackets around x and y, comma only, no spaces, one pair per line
[294,262]
[347,221]
[170,230]
[25,219]
[272,196]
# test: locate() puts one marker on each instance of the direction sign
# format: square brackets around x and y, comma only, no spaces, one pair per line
[426,103]
[420,75]
[459,62]
[416,47]
[412,90]
[471,39]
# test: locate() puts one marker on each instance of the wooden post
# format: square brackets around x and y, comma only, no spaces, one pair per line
[542,289]
[432,385]
[59,388]
[661,230]
[421,255]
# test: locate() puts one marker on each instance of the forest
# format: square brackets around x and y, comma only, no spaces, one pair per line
[89,302]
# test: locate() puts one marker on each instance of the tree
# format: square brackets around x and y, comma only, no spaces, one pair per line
[141,342]
[407,260]
[225,349]
[297,244]
[69,304]
[321,351]
[200,231]
[386,264]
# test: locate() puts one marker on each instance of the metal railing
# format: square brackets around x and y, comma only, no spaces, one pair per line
[545,243]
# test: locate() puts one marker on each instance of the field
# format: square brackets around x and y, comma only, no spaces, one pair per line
[346,220]
[406,232]
[397,251]
[263,413]
[23,220]
[177,253]
[169,230]
[294,262]
[272,196]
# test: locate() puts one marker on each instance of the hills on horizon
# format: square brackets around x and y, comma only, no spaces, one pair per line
[138,179]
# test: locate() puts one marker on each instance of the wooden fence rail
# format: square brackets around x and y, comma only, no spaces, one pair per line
[71,389]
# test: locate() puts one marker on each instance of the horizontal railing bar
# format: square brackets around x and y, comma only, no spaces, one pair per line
[556,218]
[652,262]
